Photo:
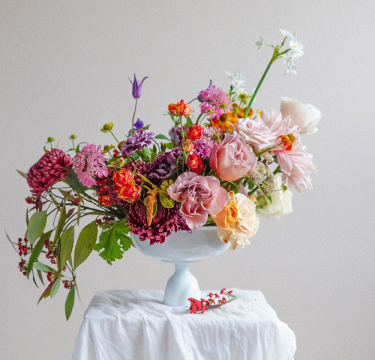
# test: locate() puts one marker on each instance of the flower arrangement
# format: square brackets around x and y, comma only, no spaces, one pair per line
[223,167]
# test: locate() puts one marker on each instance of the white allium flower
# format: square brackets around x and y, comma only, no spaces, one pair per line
[281,202]
[238,80]
[260,43]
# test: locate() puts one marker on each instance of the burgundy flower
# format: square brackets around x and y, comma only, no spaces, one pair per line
[52,167]
[141,169]
[164,222]
[163,166]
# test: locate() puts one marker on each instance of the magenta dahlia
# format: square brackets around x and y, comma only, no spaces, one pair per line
[50,169]
[164,222]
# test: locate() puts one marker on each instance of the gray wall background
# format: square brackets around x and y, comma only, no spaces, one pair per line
[63,70]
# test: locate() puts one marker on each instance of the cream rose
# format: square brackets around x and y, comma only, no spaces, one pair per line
[304,116]
[237,222]
[281,202]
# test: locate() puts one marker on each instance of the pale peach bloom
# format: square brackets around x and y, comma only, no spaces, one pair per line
[238,221]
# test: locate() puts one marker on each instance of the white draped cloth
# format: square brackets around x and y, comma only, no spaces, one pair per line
[135,325]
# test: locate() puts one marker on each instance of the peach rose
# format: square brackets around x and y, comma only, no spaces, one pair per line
[237,222]
[232,158]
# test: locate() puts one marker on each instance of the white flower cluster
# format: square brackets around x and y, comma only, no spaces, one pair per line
[294,54]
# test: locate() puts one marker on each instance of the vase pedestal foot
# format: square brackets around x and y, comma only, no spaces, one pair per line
[181,286]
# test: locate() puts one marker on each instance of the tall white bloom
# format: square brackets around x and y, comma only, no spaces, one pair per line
[287,33]
[304,116]
[281,202]
[260,43]
[296,47]
[238,80]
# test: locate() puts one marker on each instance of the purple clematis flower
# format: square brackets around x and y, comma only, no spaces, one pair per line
[138,124]
[137,87]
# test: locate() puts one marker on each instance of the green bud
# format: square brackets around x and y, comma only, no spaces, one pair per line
[50,139]
[72,137]
[285,188]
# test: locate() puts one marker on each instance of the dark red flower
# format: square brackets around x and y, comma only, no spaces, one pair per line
[51,168]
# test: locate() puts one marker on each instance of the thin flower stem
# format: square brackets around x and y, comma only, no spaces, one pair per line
[114,136]
[217,133]
[135,109]
[258,87]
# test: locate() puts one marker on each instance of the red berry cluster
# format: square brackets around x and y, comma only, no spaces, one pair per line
[202,305]
[22,266]
[68,284]
[51,252]
[23,247]
[31,200]
[52,276]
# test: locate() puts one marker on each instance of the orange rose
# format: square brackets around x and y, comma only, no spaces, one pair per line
[195,163]
[180,109]
[105,200]
[195,132]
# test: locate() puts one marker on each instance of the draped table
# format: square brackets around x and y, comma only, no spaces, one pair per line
[134,324]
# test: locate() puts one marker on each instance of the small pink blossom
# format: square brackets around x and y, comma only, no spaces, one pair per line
[88,164]
[199,196]
[216,100]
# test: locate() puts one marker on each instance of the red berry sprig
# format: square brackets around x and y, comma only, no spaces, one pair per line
[202,305]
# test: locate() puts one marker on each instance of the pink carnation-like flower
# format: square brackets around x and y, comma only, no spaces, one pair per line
[199,196]
[50,169]
[88,164]
[232,158]
[216,100]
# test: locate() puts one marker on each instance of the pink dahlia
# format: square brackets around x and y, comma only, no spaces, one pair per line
[50,169]
[89,163]
[216,100]
[162,225]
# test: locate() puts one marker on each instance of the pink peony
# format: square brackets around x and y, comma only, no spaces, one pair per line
[232,158]
[88,164]
[199,196]
[50,169]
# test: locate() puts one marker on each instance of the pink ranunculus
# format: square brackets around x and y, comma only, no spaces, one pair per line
[199,196]
[232,158]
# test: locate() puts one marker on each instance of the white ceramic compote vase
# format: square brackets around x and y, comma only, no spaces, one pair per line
[182,248]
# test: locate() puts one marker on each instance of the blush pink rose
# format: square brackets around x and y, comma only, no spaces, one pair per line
[199,196]
[232,158]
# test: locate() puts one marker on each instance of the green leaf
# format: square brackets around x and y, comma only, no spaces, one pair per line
[172,117]
[55,286]
[46,292]
[42,267]
[166,201]
[36,225]
[27,217]
[40,276]
[144,178]
[135,156]
[68,196]
[34,255]
[22,174]
[67,240]
[72,180]
[114,242]
[189,122]
[162,137]
[85,243]
[46,235]
[60,224]
[69,303]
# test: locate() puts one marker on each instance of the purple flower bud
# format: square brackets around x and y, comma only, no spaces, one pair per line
[137,87]
[138,124]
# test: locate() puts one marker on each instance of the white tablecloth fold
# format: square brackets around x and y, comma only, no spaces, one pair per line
[134,324]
